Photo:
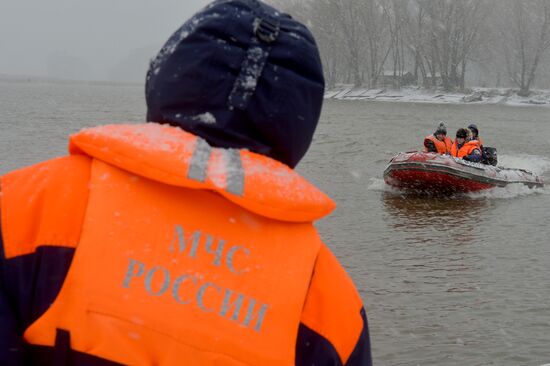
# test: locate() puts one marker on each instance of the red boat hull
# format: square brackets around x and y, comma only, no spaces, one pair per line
[433,181]
[427,172]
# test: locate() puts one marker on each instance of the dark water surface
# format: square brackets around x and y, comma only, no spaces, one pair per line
[446,281]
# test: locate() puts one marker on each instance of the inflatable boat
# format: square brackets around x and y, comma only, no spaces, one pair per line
[430,172]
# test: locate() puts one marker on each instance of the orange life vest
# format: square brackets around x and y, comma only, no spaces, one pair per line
[443,147]
[465,149]
[479,140]
[185,254]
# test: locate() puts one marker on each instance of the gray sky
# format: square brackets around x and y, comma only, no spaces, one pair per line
[87,39]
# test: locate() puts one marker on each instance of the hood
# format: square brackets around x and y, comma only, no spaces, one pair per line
[240,74]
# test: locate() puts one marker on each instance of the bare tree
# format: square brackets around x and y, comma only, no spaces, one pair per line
[329,35]
[415,36]
[348,13]
[452,35]
[397,19]
[319,16]
[376,38]
[526,40]
[441,41]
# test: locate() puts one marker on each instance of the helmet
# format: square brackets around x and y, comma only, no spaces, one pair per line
[441,129]
[472,127]
[462,133]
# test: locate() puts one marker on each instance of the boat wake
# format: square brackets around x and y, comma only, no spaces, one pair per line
[378,184]
[510,191]
[536,164]
[539,165]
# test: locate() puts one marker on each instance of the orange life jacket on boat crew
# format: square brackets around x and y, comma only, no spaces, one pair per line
[465,150]
[443,147]
[479,140]
[186,254]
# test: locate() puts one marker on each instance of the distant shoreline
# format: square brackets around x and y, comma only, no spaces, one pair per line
[476,96]
[46,80]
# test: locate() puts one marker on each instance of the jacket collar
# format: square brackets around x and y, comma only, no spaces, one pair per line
[173,156]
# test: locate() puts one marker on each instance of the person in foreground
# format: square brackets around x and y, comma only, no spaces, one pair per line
[465,148]
[438,142]
[187,240]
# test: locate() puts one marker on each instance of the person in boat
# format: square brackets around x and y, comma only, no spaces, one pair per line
[188,239]
[489,154]
[465,148]
[438,142]
[475,134]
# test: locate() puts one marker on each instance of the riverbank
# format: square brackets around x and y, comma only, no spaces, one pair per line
[540,98]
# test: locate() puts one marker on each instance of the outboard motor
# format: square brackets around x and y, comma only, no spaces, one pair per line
[489,156]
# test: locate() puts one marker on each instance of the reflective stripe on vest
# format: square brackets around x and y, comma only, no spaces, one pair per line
[231,164]
[167,275]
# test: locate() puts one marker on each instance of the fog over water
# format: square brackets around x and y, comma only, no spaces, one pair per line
[87,40]
[114,40]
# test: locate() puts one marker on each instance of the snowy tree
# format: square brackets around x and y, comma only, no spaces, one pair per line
[439,41]
[526,40]
[451,35]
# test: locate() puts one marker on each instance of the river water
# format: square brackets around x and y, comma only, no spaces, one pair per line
[446,281]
